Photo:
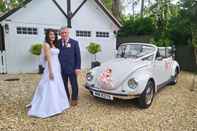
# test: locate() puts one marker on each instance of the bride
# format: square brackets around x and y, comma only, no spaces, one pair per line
[50,96]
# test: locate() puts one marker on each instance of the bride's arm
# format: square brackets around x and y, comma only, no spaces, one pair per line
[47,54]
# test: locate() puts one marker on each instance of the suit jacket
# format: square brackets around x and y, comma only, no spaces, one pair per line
[69,56]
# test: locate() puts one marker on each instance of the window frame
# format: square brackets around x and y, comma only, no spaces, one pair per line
[102,34]
[22,30]
[83,33]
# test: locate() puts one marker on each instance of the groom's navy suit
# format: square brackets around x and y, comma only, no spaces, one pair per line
[70,60]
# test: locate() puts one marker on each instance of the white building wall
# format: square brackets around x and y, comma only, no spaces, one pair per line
[39,12]
[44,14]
[92,18]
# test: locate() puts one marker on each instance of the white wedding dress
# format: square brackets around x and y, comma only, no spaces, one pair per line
[50,97]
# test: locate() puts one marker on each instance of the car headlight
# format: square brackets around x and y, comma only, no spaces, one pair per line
[132,84]
[89,76]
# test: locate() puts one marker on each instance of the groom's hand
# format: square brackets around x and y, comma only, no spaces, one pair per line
[77,71]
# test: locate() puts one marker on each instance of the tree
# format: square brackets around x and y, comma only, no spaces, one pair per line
[108,4]
[189,10]
[161,13]
[132,4]
[2,6]
[142,8]
[116,8]
[9,4]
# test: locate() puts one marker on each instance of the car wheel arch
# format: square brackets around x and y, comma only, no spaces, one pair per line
[152,79]
[144,96]
[175,68]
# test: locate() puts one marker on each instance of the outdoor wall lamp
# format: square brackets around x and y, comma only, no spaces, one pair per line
[7,28]
[115,32]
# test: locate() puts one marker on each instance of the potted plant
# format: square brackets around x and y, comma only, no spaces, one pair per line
[36,50]
[94,48]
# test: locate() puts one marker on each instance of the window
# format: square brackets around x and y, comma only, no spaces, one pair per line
[35,31]
[83,33]
[102,34]
[27,30]
[19,30]
[165,52]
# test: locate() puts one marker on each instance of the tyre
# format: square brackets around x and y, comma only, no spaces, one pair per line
[175,77]
[146,98]
[91,93]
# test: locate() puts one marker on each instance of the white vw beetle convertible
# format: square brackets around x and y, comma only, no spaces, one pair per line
[138,71]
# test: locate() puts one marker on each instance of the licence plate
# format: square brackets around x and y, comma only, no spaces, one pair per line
[103,95]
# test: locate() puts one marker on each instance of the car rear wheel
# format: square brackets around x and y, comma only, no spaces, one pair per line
[147,96]
[175,77]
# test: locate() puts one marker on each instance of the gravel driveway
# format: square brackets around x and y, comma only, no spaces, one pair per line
[174,109]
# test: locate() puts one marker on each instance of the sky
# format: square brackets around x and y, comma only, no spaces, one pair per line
[128,7]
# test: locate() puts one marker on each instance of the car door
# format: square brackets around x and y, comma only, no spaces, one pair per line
[168,67]
[159,70]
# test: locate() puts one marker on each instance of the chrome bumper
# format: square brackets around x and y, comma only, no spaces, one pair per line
[115,95]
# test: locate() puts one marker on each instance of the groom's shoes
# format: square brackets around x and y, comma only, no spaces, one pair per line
[28,106]
[74,102]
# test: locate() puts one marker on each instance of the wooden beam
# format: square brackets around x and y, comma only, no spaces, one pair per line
[59,7]
[69,14]
[79,8]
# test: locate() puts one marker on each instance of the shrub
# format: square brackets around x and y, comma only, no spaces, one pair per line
[162,40]
[36,49]
[137,26]
[93,48]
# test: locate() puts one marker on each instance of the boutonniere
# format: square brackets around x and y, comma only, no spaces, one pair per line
[68,45]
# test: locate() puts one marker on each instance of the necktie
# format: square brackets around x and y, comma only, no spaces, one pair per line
[63,43]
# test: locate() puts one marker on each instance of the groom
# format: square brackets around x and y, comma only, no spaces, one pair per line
[70,60]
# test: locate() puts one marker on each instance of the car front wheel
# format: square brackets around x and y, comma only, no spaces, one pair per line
[147,96]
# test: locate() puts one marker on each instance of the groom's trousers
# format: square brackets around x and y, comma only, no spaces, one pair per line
[74,85]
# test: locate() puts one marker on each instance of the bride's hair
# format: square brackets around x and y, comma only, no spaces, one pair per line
[47,39]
